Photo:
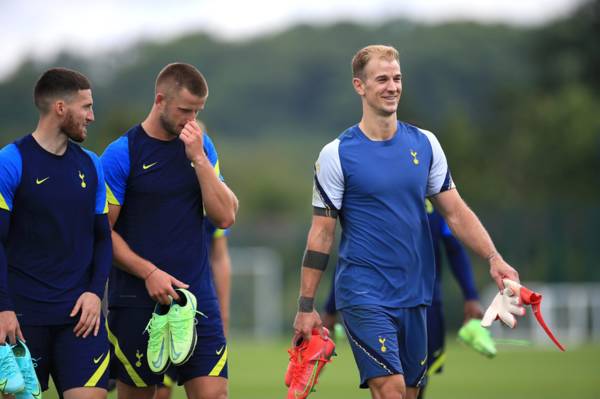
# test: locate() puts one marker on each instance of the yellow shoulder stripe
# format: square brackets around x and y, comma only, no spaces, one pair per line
[428,206]
[110,197]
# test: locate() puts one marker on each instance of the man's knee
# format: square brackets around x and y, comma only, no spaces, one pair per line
[389,387]
[125,391]
[206,388]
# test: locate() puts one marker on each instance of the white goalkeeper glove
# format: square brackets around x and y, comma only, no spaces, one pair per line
[506,304]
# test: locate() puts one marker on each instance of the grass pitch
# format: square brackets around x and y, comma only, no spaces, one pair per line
[256,372]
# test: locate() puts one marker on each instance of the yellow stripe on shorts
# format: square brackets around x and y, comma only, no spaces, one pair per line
[93,381]
[439,362]
[219,366]
[3,204]
[135,377]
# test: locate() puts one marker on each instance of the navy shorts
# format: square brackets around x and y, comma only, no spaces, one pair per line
[436,333]
[129,343]
[72,362]
[388,341]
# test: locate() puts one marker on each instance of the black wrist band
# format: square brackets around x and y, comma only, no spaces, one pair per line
[306,304]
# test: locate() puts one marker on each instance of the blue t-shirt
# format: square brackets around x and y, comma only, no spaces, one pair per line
[457,258]
[386,255]
[54,203]
[162,215]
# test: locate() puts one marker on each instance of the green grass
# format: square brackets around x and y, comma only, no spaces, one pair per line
[256,372]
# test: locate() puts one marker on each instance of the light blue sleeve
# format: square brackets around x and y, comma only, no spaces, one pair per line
[211,154]
[11,169]
[115,163]
[101,204]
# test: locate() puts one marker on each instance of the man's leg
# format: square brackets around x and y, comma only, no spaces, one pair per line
[413,348]
[204,375]
[85,393]
[40,342]
[125,391]
[206,388]
[128,349]
[165,389]
[80,366]
[163,392]
[390,387]
[373,337]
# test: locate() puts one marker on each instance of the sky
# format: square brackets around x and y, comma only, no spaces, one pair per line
[42,28]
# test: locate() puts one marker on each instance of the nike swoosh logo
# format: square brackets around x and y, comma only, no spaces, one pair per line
[423,361]
[160,355]
[38,181]
[144,166]
[220,350]
[173,351]
[96,360]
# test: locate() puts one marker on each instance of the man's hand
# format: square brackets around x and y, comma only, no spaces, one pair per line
[90,306]
[304,324]
[499,270]
[159,285]
[9,327]
[472,310]
[192,137]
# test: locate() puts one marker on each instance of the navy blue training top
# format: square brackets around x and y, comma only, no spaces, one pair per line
[55,233]
[161,217]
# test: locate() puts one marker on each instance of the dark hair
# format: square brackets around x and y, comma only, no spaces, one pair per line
[178,75]
[57,83]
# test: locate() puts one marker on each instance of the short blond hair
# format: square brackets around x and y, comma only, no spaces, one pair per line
[178,75]
[366,54]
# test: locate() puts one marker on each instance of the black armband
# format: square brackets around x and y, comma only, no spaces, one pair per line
[306,304]
[315,260]
[328,212]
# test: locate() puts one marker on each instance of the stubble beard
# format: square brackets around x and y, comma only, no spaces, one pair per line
[72,129]
[168,125]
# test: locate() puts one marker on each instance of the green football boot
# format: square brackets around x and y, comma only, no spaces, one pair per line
[32,390]
[157,353]
[477,337]
[182,327]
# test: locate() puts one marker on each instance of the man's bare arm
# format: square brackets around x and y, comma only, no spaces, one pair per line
[467,228]
[320,239]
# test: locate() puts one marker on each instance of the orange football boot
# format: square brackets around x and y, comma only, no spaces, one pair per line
[307,359]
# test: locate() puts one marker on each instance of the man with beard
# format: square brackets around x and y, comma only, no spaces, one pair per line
[55,251]
[374,176]
[161,187]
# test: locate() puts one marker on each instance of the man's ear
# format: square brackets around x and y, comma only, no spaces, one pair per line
[60,107]
[359,86]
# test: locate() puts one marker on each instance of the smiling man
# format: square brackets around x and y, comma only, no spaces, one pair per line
[55,242]
[374,177]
